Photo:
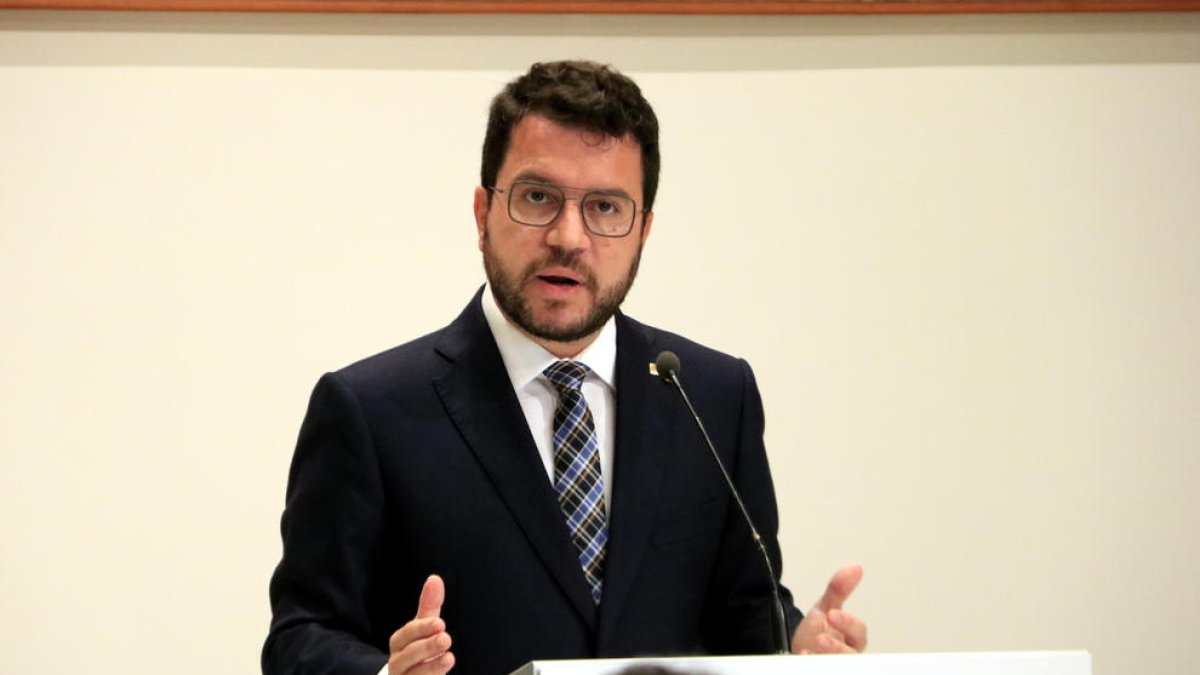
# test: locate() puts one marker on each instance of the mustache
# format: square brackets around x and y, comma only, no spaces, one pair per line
[560,258]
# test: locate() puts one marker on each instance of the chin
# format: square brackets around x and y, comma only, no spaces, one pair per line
[559,318]
[561,330]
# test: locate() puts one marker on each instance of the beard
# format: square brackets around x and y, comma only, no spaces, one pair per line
[507,288]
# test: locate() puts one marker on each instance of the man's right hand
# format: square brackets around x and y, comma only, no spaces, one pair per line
[422,646]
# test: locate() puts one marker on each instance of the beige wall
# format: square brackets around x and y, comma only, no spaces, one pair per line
[963,254]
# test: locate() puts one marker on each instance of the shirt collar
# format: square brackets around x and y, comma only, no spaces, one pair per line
[525,359]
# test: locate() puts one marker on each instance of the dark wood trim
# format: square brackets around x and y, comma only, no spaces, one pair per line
[621,6]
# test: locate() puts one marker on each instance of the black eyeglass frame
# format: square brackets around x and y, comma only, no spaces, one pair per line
[581,199]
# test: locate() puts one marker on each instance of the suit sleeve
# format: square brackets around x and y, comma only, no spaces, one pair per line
[331,526]
[740,606]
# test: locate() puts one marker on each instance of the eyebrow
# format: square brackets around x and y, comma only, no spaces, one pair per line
[535,177]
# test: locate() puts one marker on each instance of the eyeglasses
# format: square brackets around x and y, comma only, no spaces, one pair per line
[538,204]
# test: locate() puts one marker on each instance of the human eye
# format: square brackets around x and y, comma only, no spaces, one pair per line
[606,205]
[538,195]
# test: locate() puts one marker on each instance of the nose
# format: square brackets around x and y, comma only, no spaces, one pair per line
[568,231]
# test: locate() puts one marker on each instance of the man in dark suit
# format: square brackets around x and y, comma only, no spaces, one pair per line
[522,476]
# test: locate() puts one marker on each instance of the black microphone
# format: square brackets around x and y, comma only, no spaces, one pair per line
[667,366]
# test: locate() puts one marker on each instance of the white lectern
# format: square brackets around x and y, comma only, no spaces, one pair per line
[981,663]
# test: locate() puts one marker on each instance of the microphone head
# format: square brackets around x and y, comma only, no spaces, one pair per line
[667,365]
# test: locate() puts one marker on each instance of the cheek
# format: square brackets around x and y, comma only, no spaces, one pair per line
[619,251]
[514,243]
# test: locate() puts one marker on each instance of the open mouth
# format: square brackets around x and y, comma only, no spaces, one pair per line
[557,280]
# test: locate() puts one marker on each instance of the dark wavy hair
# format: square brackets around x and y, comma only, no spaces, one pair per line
[578,94]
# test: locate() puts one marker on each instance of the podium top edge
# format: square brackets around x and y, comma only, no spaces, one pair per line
[1044,662]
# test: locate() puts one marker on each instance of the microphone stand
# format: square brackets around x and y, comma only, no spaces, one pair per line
[670,375]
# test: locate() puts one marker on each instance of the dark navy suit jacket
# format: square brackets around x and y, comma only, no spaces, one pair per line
[419,460]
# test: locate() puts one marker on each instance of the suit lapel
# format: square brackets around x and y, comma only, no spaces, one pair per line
[474,386]
[639,464]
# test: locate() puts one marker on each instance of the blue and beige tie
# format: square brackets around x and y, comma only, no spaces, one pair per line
[577,478]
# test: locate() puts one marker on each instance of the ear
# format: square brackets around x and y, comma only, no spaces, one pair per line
[647,221]
[481,212]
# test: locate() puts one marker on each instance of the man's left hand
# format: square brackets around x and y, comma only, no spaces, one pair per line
[827,628]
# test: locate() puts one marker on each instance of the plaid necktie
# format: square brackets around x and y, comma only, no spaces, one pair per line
[577,478]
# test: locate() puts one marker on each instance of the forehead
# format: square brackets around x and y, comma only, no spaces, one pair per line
[544,149]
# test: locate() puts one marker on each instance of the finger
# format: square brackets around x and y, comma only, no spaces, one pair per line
[840,587]
[828,644]
[421,652]
[433,594]
[438,666]
[414,630]
[853,630]
[822,624]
